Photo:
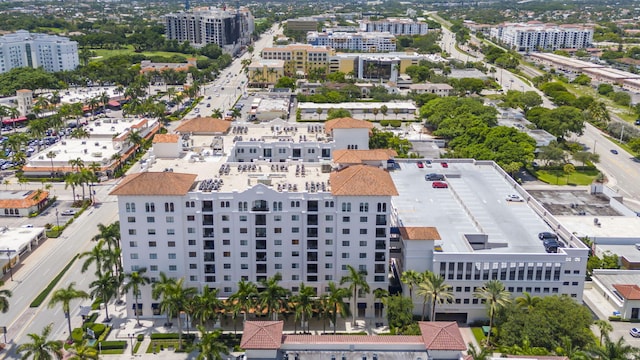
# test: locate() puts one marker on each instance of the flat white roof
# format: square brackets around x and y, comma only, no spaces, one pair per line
[89,150]
[357,105]
[610,226]
[17,239]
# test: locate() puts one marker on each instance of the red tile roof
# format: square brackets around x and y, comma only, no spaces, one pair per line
[32,198]
[442,335]
[362,180]
[351,339]
[629,292]
[262,335]
[166,138]
[419,233]
[155,183]
[358,156]
[346,123]
[203,125]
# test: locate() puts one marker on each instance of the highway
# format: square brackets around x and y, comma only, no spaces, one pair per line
[41,266]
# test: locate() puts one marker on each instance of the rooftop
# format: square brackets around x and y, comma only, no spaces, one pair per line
[203,125]
[155,183]
[474,203]
[18,238]
[21,199]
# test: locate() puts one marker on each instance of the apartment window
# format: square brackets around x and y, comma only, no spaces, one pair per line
[346,231]
[363,219]
[244,230]
[226,266]
[192,242]
[346,207]
[346,219]
[171,243]
[363,243]
[192,254]
[295,230]
[193,278]
[130,207]
[153,268]
[244,242]
[171,231]
[295,217]
[226,254]
[168,207]
[190,204]
[131,219]
[132,231]
[345,255]
[363,255]
[244,254]
[278,266]
[134,256]
[363,231]
[382,207]
[345,242]
[277,242]
[242,217]
[153,244]
[193,266]
[191,218]
[328,217]
[328,242]
[152,256]
[295,242]
[169,219]
[151,231]
[172,256]
[295,266]
[150,207]
[244,266]
[295,253]
[133,244]
[173,268]
[328,266]
[364,207]
[191,230]
[277,254]
[328,253]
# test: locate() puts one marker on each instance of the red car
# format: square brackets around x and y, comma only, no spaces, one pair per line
[439,185]
[445,165]
[420,164]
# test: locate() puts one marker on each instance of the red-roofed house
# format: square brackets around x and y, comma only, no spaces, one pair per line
[619,288]
[265,340]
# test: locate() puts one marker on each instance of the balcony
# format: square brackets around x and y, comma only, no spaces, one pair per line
[380,245]
[380,257]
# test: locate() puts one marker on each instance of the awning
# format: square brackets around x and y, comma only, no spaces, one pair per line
[11,121]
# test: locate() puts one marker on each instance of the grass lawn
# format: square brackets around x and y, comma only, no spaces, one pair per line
[478,334]
[112,352]
[105,53]
[155,345]
[558,177]
[621,111]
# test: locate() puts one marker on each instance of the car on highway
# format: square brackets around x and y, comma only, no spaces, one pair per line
[635,332]
[68,212]
[637,122]
[444,165]
[514,198]
[420,164]
[614,151]
[439,185]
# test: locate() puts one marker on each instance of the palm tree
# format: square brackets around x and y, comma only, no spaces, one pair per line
[80,133]
[604,328]
[380,295]
[207,305]
[273,296]
[434,290]
[71,180]
[76,163]
[496,296]
[110,234]
[65,296]
[51,155]
[411,278]
[81,351]
[210,345]
[135,280]
[40,347]
[5,294]
[528,302]
[97,255]
[135,139]
[356,278]
[335,302]
[304,304]
[244,298]
[479,353]
[216,113]
[104,287]
[613,350]
[161,289]
[174,301]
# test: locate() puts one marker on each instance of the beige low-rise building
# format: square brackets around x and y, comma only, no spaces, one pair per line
[263,73]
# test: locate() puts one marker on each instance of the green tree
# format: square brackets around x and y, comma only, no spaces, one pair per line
[527,302]
[162,289]
[273,297]
[64,296]
[479,353]
[496,296]
[411,278]
[136,280]
[210,346]
[604,327]
[105,288]
[357,279]
[399,312]
[613,350]
[82,351]
[5,294]
[568,169]
[40,347]
[435,291]
[337,113]
[286,82]
[244,298]
[335,302]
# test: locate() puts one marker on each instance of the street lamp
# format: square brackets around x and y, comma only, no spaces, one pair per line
[131,338]
[57,220]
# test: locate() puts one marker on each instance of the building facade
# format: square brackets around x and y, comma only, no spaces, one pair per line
[395,26]
[534,36]
[229,29]
[50,52]
[362,41]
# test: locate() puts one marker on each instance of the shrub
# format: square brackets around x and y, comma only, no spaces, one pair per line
[88,325]
[396,123]
[384,122]
[104,334]
[77,335]
[113,345]
[98,329]
[140,337]
[172,336]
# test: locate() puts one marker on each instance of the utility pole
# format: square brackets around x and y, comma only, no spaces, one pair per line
[8,252]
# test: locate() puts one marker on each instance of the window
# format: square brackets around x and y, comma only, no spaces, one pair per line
[226,266]
[169,219]
[193,266]
[131,219]
[151,219]
[346,207]
[151,231]
[328,253]
[278,266]
[134,256]
[244,242]
[226,242]
[191,230]
[345,242]
[277,254]
[150,207]
[328,266]
[153,244]
[171,231]
[328,242]
[363,231]
[364,207]
[193,278]
[190,204]
[244,266]
[226,254]
[173,268]
[171,243]
[363,255]
[130,207]
[382,207]
[295,253]
[295,230]
[172,256]
[244,254]
[295,265]
[363,243]
[277,242]
[132,231]
[346,231]
[153,268]
[192,254]
[295,217]
[328,217]
[345,255]
[152,256]
[191,218]
[346,219]
[133,244]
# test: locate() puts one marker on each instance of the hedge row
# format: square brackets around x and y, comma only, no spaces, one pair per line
[43,295]
[113,345]
[172,336]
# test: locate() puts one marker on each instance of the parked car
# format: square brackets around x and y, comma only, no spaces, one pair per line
[420,165]
[551,245]
[547,235]
[434,177]
[68,212]
[635,332]
[444,165]
[514,198]
[439,185]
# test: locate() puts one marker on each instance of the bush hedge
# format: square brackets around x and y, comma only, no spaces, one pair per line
[88,325]
[77,335]
[98,329]
[140,337]
[111,345]
[172,336]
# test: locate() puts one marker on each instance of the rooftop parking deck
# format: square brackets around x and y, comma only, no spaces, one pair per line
[474,203]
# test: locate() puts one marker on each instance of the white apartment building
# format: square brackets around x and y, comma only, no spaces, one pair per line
[23,49]
[307,218]
[361,41]
[229,28]
[534,36]
[395,26]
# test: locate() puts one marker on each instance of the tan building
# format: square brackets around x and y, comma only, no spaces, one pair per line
[299,59]
[263,73]
[302,24]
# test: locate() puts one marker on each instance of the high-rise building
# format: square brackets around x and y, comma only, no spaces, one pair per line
[50,52]
[395,26]
[533,36]
[228,28]
[363,41]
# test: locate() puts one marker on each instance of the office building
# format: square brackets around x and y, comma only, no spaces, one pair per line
[299,60]
[50,52]
[535,36]
[308,201]
[362,41]
[304,24]
[395,26]
[228,28]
